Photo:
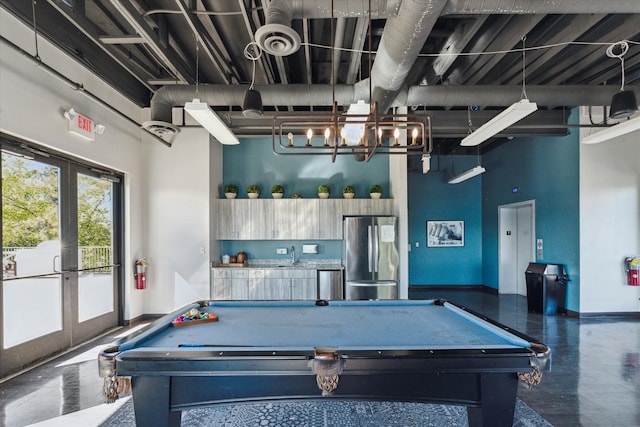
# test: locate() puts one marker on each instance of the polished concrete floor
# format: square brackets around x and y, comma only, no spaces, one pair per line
[594,381]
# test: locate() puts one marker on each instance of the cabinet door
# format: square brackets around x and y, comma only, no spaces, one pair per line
[330,219]
[307,212]
[303,284]
[221,289]
[283,219]
[234,219]
[239,284]
[240,289]
[261,218]
[367,207]
[270,289]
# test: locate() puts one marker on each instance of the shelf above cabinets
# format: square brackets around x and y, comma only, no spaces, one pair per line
[291,219]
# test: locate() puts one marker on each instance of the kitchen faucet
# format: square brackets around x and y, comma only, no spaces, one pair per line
[293,255]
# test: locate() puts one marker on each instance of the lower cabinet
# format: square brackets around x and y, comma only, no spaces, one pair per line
[263,284]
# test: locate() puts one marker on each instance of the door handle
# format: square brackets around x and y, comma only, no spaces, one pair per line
[375,254]
[369,247]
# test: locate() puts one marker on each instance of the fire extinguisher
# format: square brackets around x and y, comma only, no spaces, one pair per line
[141,273]
[632,270]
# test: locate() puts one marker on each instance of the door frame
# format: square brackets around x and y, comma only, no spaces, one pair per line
[73,332]
[502,250]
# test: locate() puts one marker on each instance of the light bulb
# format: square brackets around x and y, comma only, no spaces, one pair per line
[379,136]
[327,134]
[396,135]
[309,135]
[414,135]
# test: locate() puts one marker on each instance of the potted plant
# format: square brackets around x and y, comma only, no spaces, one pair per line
[253,191]
[230,191]
[277,191]
[375,191]
[323,191]
[348,192]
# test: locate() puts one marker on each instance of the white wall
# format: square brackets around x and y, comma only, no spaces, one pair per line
[166,189]
[177,228]
[609,222]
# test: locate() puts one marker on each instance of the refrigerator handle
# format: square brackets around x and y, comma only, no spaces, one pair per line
[375,253]
[369,247]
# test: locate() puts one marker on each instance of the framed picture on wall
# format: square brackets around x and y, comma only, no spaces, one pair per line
[445,234]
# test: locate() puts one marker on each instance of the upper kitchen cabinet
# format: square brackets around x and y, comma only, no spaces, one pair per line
[291,219]
[330,219]
[351,207]
[234,220]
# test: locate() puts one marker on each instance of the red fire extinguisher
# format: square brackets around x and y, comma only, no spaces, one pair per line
[632,269]
[141,273]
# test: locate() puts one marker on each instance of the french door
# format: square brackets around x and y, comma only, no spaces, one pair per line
[61,227]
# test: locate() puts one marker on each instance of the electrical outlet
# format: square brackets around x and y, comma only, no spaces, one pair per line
[281,251]
[417,244]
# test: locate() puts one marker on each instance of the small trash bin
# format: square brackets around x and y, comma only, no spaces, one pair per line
[546,288]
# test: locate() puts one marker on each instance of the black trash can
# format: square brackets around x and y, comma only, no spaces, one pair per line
[546,288]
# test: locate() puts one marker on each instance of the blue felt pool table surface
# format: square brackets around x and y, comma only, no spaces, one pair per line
[347,325]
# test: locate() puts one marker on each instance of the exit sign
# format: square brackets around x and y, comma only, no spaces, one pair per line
[83,126]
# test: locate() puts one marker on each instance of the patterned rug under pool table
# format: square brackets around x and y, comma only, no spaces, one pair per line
[328,413]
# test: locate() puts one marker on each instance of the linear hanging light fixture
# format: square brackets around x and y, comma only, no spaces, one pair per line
[475,171]
[511,115]
[614,131]
[210,121]
[204,115]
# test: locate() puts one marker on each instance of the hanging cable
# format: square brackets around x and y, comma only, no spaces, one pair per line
[35,29]
[624,47]
[524,63]
[252,52]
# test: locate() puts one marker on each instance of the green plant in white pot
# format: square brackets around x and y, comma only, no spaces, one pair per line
[230,191]
[277,191]
[348,192]
[253,191]
[323,191]
[375,191]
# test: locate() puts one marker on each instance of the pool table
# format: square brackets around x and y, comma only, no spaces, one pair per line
[406,350]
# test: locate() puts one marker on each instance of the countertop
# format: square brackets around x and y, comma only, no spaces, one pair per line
[320,264]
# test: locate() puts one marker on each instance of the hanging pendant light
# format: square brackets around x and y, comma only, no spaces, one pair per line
[252,104]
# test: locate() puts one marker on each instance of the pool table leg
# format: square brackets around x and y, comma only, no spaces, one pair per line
[151,402]
[498,398]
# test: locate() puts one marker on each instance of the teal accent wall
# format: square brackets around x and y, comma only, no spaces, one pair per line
[543,169]
[432,198]
[546,170]
[253,162]
[266,249]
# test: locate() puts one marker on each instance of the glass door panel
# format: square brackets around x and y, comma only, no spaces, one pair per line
[32,296]
[95,242]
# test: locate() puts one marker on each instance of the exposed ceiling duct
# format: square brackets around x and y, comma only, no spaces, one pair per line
[444,96]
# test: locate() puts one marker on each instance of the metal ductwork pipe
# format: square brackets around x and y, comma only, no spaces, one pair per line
[301,95]
[488,96]
[528,7]
[402,39]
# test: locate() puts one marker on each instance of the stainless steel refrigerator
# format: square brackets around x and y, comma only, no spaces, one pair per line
[370,257]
